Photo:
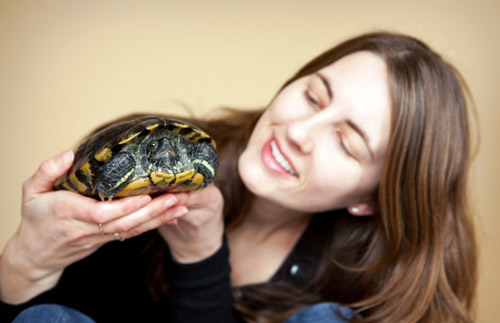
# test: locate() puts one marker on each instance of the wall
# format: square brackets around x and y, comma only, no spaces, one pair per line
[67,66]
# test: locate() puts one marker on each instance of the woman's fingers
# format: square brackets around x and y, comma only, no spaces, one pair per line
[106,218]
[89,210]
[159,211]
[155,208]
[47,174]
[103,212]
[169,216]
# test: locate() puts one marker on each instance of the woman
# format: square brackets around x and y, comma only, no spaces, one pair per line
[350,188]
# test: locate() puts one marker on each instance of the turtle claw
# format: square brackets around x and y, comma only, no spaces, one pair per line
[103,197]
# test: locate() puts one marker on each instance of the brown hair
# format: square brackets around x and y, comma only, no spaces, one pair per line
[414,261]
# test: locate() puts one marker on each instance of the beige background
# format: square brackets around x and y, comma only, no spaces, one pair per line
[67,66]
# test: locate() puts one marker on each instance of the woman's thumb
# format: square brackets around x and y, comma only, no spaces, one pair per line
[49,171]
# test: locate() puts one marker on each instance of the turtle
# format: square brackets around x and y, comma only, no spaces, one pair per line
[141,154]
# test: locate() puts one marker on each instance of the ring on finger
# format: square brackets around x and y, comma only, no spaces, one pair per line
[101,229]
[118,237]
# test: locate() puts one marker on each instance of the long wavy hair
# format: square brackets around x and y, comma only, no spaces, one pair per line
[415,260]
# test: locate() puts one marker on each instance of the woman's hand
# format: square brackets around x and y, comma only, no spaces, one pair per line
[60,227]
[198,233]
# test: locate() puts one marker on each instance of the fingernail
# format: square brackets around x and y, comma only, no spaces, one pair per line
[180,213]
[170,202]
[66,157]
[143,201]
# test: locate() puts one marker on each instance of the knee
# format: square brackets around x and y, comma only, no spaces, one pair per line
[51,313]
[322,312]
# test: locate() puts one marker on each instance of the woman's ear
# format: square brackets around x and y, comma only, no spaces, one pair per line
[363,209]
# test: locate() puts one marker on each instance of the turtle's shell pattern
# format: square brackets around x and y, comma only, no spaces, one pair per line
[142,155]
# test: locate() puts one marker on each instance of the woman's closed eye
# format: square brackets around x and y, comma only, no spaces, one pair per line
[318,92]
[344,144]
[313,99]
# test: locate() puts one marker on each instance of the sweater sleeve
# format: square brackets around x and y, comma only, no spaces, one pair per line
[201,292]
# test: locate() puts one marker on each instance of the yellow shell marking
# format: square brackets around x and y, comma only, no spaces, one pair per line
[124,141]
[159,178]
[185,176]
[104,155]
[197,136]
[140,186]
[87,172]
[79,186]
[68,187]
[197,180]
[179,126]
[152,127]
[194,184]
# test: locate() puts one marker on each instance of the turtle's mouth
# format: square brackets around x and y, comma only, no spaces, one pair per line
[165,157]
[168,152]
[283,161]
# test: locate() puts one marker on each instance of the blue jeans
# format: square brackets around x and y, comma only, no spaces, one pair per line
[322,313]
[319,313]
[51,313]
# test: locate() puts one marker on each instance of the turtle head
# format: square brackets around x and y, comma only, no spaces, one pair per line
[161,152]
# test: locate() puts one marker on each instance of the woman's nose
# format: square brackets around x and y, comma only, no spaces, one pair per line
[300,135]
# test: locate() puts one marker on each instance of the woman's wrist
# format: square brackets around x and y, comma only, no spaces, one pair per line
[189,244]
[195,251]
[19,279]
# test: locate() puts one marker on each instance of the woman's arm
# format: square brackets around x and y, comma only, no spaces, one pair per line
[60,227]
[198,269]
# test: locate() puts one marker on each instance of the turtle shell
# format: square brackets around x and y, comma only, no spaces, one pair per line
[142,155]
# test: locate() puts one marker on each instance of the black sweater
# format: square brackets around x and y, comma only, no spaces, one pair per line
[110,285]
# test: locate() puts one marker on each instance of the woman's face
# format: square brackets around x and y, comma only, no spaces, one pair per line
[322,142]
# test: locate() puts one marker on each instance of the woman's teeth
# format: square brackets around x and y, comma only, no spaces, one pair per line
[281,159]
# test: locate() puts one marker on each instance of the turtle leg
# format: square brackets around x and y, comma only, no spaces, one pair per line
[205,161]
[114,174]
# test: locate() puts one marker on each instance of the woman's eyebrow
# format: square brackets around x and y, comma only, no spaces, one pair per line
[363,135]
[326,83]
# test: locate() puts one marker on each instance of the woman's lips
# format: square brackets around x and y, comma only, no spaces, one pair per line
[275,160]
